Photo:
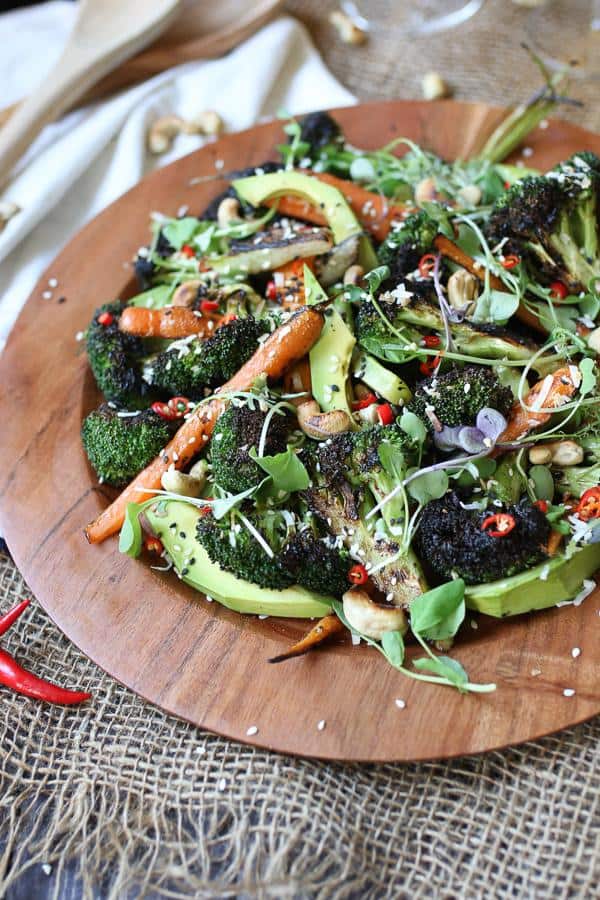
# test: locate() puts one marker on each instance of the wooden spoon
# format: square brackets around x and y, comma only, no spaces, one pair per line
[105,34]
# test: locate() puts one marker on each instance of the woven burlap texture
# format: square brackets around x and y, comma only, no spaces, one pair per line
[139,804]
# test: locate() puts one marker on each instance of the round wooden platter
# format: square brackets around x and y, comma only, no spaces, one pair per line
[166,642]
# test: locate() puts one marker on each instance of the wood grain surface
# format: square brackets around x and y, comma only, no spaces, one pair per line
[194,658]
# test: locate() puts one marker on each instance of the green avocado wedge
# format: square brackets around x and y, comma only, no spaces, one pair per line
[389,385]
[193,566]
[529,591]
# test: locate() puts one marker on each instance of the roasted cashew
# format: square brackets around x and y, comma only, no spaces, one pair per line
[186,293]
[322,425]
[228,211]
[8,209]
[187,485]
[165,129]
[370,618]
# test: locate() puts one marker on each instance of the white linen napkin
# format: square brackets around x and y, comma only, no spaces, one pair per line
[83,162]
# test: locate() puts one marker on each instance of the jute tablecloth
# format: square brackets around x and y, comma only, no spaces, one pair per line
[138,804]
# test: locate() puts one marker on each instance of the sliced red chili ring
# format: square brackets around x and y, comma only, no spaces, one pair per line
[105,318]
[589,505]
[153,545]
[271,291]
[542,505]
[187,250]
[179,406]
[431,341]
[209,305]
[510,261]
[427,265]
[558,290]
[385,414]
[163,410]
[358,574]
[364,402]
[498,525]
[429,366]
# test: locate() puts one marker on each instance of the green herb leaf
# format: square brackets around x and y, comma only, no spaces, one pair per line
[392,644]
[155,298]
[361,169]
[392,459]
[542,482]
[286,469]
[130,536]
[440,214]
[495,306]
[429,486]
[180,231]
[445,667]
[413,427]
[439,613]
[376,276]
[222,505]
[588,376]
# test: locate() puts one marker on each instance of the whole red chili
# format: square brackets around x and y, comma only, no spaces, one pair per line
[188,251]
[542,505]
[271,291]
[364,402]
[179,406]
[558,291]
[358,574]
[589,505]
[209,305]
[14,676]
[431,341]
[498,525]
[105,318]
[510,261]
[163,410]
[427,265]
[385,414]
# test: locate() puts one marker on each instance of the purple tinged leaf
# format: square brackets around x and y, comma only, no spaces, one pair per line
[491,423]
[448,438]
[472,439]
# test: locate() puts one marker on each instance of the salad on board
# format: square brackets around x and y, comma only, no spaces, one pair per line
[361,387]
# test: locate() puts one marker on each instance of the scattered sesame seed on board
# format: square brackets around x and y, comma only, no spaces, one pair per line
[401,704]
[536,672]
[252,731]
[321,725]
[568,692]
[47,295]
[575,652]
[52,282]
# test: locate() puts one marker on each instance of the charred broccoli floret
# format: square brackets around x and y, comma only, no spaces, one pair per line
[553,220]
[190,365]
[237,431]
[230,543]
[119,444]
[316,563]
[406,244]
[114,358]
[456,397]
[451,542]
[318,130]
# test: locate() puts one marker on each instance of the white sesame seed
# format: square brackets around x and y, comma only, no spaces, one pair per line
[575,652]
[321,725]
[79,336]
[219,163]
[52,282]
[401,704]
[474,625]
[252,731]
[568,692]
[536,672]
[527,151]
[47,295]
[46,868]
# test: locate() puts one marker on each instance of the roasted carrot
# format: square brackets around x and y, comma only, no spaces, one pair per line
[320,632]
[283,348]
[550,392]
[374,212]
[169,322]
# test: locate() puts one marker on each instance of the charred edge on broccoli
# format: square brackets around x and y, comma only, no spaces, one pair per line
[316,565]
[237,431]
[114,359]
[405,245]
[318,130]
[456,397]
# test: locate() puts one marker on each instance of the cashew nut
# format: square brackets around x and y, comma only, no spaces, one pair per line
[353,274]
[559,453]
[369,415]
[370,618]
[322,425]
[463,290]
[186,293]
[8,209]
[434,87]
[425,191]
[540,455]
[209,122]
[165,129]
[470,195]
[347,29]
[187,485]
[228,211]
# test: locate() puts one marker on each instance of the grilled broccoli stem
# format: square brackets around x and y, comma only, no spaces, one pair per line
[375,335]
[450,541]
[190,365]
[316,564]
[456,397]
[119,446]
[406,244]
[114,359]
[229,543]
[553,220]
[237,431]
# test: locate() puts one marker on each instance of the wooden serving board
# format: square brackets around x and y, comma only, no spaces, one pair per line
[166,642]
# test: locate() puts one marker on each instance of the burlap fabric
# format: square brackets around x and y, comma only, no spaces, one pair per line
[122,801]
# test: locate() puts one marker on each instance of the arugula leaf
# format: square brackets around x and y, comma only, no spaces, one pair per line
[376,276]
[413,427]
[445,667]
[392,459]
[439,613]
[588,376]
[429,486]
[220,506]
[180,231]
[130,536]
[392,644]
[286,469]
[495,306]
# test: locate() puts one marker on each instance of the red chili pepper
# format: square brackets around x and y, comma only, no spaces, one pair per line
[589,505]
[386,414]
[558,291]
[427,265]
[163,410]
[431,341]
[366,401]
[271,291]
[153,545]
[358,574]
[506,185]
[179,406]
[14,676]
[498,525]
[429,366]
[510,261]
[209,305]
[105,318]
[188,251]
[542,505]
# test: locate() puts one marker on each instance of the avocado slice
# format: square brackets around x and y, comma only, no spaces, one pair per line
[193,566]
[528,591]
[154,298]
[389,385]
[257,189]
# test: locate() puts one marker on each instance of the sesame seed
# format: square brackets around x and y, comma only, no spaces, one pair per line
[46,868]
[536,672]
[252,731]
[52,282]
[474,625]
[321,725]
[568,692]
[401,704]
[575,652]
[219,163]
[47,295]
